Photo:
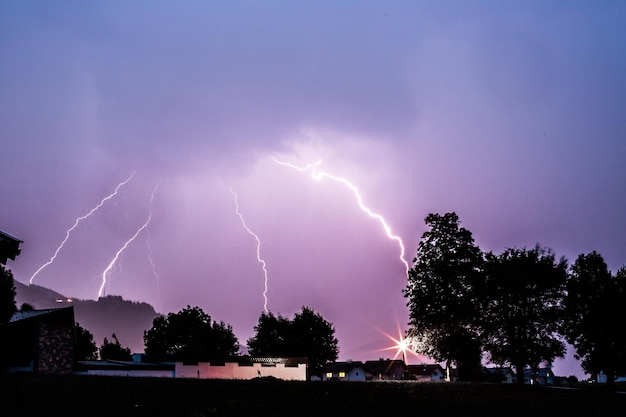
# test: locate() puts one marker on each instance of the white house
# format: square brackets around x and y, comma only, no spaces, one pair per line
[426,372]
[385,370]
[540,376]
[344,371]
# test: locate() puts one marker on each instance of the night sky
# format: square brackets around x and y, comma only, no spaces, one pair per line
[510,114]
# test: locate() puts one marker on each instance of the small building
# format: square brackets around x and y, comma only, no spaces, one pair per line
[540,376]
[9,247]
[344,371]
[426,372]
[245,367]
[41,341]
[386,370]
[602,378]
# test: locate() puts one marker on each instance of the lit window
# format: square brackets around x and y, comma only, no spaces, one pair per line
[329,374]
[342,374]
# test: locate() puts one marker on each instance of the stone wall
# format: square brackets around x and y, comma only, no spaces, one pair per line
[55,348]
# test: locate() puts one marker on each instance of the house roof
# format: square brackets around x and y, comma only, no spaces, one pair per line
[498,370]
[9,247]
[343,366]
[542,372]
[384,366]
[424,369]
[268,360]
[26,315]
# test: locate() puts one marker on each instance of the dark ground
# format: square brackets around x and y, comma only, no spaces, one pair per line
[36,395]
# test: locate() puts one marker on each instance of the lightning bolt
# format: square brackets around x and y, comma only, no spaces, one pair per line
[150,259]
[78,220]
[123,248]
[320,175]
[258,248]
[154,270]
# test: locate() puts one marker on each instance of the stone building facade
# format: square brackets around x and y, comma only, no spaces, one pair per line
[41,341]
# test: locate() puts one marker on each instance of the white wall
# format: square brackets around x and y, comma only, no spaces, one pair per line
[232,370]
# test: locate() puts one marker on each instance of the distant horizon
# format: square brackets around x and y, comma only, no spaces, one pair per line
[568,364]
[124,127]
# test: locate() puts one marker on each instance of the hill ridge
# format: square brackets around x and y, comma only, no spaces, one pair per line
[103,317]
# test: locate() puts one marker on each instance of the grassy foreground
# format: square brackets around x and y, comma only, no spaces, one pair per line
[36,395]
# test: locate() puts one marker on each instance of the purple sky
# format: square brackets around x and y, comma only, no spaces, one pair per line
[511,115]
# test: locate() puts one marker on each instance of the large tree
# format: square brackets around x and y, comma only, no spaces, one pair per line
[522,307]
[190,335]
[442,296]
[7,295]
[307,335]
[594,323]
[272,337]
[85,348]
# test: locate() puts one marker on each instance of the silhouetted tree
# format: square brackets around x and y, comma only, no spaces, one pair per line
[307,335]
[595,308]
[190,335]
[314,339]
[272,337]
[85,348]
[522,307]
[7,308]
[114,350]
[441,294]
[7,295]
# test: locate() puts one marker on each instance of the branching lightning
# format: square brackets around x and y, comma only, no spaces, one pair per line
[123,248]
[258,248]
[319,175]
[154,269]
[78,220]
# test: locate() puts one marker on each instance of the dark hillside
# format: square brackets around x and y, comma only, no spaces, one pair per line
[110,314]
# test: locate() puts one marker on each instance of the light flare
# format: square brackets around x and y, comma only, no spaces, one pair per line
[402,345]
[119,253]
[319,175]
[78,220]
[258,248]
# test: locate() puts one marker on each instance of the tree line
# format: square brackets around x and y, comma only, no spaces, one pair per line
[516,308]
[191,335]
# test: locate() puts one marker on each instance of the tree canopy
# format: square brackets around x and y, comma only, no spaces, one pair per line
[521,306]
[595,306]
[442,296]
[7,295]
[272,337]
[190,335]
[113,350]
[307,335]
[85,348]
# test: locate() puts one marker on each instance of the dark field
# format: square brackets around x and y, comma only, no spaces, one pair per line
[28,395]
